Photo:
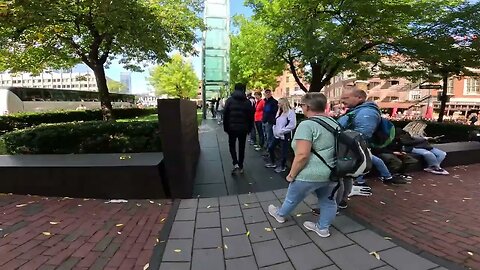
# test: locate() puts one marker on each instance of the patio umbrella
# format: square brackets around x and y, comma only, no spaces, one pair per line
[429,112]
[394,111]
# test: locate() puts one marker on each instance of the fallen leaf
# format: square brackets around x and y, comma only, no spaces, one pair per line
[119,225]
[245,204]
[299,215]
[387,238]
[146,266]
[79,205]
[46,233]
[448,220]
[178,250]
[5,235]
[226,247]
[162,220]
[54,222]
[248,233]
[21,205]
[420,194]
[467,198]
[86,199]
[268,229]
[433,185]
[208,206]
[117,201]
[425,210]
[414,223]
[119,232]
[151,201]
[159,204]
[375,254]
[435,201]
[382,202]
[227,229]
[470,253]
[139,205]
[157,240]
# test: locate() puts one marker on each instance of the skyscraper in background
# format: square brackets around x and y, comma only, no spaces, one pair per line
[126,79]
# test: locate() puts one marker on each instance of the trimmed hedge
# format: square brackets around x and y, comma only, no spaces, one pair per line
[25,120]
[85,137]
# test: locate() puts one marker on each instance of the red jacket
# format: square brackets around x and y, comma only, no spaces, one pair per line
[259,110]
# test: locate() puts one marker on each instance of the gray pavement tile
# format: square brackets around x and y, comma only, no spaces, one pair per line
[209,190]
[178,250]
[228,200]
[347,225]
[265,204]
[175,266]
[292,236]
[307,257]
[336,240]
[182,229]
[237,246]
[266,196]
[208,220]
[269,252]
[387,267]
[249,205]
[208,209]
[439,268]
[402,259]
[280,193]
[201,180]
[205,202]
[260,232]
[331,267]
[247,198]
[188,203]
[233,226]
[186,214]
[230,211]
[211,259]
[354,258]
[208,238]
[301,208]
[210,154]
[281,266]
[301,218]
[254,215]
[275,224]
[242,263]
[370,240]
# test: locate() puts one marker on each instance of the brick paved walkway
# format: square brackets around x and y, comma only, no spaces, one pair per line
[236,232]
[62,233]
[436,214]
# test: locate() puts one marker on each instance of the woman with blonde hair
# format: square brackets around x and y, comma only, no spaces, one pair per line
[285,122]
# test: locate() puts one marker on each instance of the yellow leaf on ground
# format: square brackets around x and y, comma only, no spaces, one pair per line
[425,210]
[119,232]
[387,238]
[178,250]
[208,206]
[21,205]
[299,215]
[227,229]
[470,253]
[382,203]
[248,233]
[162,220]
[146,266]
[46,233]
[375,254]
[54,222]
[139,205]
[151,201]
[268,229]
[119,225]
[226,247]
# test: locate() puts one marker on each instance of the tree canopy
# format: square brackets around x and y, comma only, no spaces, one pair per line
[175,78]
[116,86]
[251,59]
[37,34]
[332,36]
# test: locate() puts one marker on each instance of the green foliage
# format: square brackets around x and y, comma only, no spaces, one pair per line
[175,78]
[37,34]
[333,36]
[251,58]
[116,87]
[25,120]
[87,137]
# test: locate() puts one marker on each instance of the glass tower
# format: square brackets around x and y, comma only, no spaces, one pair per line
[215,49]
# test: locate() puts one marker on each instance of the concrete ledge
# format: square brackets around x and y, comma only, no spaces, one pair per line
[106,176]
[460,153]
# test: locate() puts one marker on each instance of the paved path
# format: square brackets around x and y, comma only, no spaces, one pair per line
[435,214]
[63,233]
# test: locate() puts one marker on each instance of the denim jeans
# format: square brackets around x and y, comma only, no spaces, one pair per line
[253,135]
[299,190]
[433,157]
[284,144]
[381,168]
[268,130]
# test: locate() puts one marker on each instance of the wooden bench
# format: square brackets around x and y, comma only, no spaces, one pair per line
[106,176]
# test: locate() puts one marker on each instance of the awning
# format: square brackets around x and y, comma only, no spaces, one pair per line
[391,105]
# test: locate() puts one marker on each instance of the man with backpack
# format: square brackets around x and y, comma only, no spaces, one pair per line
[270,109]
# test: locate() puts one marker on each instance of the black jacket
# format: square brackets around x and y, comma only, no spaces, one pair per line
[403,142]
[238,114]
[270,111]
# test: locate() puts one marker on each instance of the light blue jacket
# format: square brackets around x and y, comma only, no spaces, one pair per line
[363,118]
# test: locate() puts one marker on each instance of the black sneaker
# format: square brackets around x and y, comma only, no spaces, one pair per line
[316,211]
[364,184]
[343,204]
[393,180]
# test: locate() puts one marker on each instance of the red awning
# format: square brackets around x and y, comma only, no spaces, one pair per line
[391,105]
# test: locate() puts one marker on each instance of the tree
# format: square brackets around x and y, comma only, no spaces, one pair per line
[36,34]
[332,36]
[175,78]
[115,86]
[447,47]
[251,59]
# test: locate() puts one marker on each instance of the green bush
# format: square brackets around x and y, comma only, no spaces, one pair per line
[85,137]
[25,120]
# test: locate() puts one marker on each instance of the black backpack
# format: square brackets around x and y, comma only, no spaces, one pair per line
[353,157]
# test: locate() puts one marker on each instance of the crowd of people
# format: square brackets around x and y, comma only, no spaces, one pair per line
[272,124]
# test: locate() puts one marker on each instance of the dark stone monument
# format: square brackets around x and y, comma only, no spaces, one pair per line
[181,149]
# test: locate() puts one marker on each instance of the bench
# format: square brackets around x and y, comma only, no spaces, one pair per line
[106,176]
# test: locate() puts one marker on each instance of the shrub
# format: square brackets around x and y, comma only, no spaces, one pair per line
[85,137]
[25,120]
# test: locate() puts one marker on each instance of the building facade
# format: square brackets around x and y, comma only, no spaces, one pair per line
[51,79]
[126,80]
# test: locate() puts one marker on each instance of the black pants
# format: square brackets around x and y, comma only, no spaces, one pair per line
[398,164]
[232,144]
[261,135]
[284,144]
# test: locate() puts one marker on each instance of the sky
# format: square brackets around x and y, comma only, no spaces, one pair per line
[140,79]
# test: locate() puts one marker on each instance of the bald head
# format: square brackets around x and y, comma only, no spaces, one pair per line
[352,97]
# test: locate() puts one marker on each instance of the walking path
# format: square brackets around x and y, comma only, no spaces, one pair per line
[236,232]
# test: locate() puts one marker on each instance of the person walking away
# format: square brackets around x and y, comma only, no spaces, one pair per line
[473,119]
[237,122]
[308,173]
[260,103]
[285,123]
[253,135]
[269,113]
[220,110]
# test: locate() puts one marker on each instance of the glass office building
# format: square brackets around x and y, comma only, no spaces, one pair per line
[216,48]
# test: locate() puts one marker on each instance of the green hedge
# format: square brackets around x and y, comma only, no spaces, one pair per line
[85,137]
[25,120]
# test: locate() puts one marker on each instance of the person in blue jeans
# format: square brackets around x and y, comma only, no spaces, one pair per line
[270,109]
[308,173]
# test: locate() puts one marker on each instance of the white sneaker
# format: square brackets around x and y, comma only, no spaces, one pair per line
[313,227]
[273,211]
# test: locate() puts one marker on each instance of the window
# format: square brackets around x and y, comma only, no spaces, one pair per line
[450,86]
[473,86]
[415,97]
[394,82]
[288,78]
[287,91]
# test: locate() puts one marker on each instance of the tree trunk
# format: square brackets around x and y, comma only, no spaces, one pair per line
[105,102]
[293,70]
[443,99]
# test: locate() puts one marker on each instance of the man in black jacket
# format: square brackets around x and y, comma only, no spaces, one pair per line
[269,114]
[237,122]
